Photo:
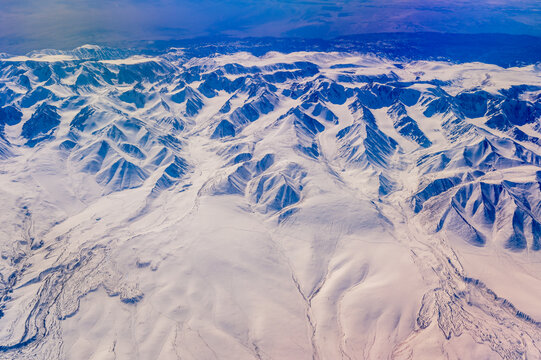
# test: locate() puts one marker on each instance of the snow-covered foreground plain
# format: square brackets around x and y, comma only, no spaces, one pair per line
[289,206]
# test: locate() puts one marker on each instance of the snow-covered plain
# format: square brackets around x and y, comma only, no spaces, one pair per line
[288,206]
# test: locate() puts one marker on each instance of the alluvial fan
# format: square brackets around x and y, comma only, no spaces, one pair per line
[310,205]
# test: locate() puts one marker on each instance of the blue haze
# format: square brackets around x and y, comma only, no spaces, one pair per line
[63,24]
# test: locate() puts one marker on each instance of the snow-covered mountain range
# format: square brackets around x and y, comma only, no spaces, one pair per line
[310,205]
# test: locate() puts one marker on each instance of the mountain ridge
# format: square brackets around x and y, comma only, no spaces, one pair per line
[501,49]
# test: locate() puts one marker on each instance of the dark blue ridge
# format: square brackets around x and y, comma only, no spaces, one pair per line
[434,162]
[473,104]
[10,115]
[437,106]
[145,139]
[378,146]
[287,214]
[376,96]
[515,91]
[307,124]
[133,97]
[163,183]
[37,95]
[193,106]
[67,145]
[333,92]
[170,141]
[191,75]
[242,158]
[520,135]
[215,82]
[172,174]
[24,81]
[80,120]
[132,150]
[237,69]
[517,241]
[383,78]
[406,126]
[73,102]
[95,160]
[310,151]
[159,157]
[179,97]
[237,181]
[297,90]
[42,72]
[41,125]
[177,168]
[184,94]
[468,231]
[283,76]
[284,194]
[224,129]
[126,76]
[386,185]
[226,107]
[86,79]
[435,188]
[342,133]
[115,134]
[245,114]
[175,123]
[507,113]
[475,153]
[7,95]
[536,232]
[122,175]
[329,116]
[266,162]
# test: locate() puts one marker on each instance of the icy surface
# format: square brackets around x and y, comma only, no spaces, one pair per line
[303,206]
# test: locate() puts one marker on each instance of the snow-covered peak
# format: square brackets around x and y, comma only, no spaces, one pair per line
[88,47]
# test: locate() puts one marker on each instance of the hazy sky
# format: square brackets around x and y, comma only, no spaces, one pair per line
[36,24]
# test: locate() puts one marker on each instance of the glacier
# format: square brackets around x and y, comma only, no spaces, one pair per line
[282,205]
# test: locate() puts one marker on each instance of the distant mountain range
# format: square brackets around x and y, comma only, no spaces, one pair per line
[500,49]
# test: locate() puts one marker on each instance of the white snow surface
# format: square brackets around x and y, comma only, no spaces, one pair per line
[240,257]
